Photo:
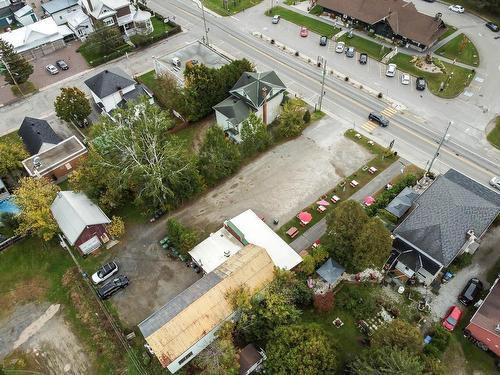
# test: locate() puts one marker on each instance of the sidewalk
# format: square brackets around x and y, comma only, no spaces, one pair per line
[319,229]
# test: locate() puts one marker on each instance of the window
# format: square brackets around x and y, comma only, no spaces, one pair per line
[108,21]
[185,358]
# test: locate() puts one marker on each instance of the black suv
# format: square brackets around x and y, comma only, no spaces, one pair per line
[363,58]
[471,292]
[492,26]
[113,286]
[420,83]
[379,119]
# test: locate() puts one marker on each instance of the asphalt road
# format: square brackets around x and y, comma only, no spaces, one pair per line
[415,136]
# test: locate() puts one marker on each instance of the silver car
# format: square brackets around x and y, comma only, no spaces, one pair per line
[52,69]
[495,182]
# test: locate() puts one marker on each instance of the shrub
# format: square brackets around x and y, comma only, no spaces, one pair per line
[439,343]
[358,300]
[307,117]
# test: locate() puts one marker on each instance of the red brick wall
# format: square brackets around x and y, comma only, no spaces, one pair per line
[90,232]
[62,171]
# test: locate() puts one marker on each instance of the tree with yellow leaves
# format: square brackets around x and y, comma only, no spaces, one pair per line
[12,152]
[117,227]
[34,197]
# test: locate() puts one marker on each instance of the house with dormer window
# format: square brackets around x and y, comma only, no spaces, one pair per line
[261,93]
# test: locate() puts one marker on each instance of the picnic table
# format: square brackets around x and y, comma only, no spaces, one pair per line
[321,209]
[372,170]
[292,232]
[354,183]
[335,199]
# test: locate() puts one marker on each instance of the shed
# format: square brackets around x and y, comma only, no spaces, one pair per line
[402,203]
[331,271]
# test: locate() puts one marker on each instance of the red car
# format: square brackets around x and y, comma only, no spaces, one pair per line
[451,318]
[304,32]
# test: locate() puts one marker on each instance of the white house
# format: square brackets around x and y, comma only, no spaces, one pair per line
[261,93]
[113,88]
[80,24]
[25,16]
[61,10]
[120,13]
[36,40]
[243,229]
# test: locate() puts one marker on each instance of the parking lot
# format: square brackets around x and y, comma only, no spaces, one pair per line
[41,78]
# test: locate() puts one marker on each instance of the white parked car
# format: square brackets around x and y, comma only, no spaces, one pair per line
[52,69]
[405,79]
[456,8]
[495,182]
[105,272]
[391,70]
[340,47]
[276,19]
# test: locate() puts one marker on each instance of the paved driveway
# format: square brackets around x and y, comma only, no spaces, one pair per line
[485,257]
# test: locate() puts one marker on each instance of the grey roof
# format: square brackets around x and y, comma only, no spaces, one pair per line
[58,5]
[234,109]
[451,205]
[330,271]
[414,259]
[250,87]
[403,201]
[135,94]
[73,212]
[173,307]
[35,132]
[108,82]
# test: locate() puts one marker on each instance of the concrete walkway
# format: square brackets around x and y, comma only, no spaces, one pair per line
[319,229]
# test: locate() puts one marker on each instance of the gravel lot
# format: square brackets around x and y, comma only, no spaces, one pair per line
[282,181]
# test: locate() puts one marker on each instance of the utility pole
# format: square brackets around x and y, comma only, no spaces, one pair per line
[4,63]
[320,103]
[436,154]
[204,22]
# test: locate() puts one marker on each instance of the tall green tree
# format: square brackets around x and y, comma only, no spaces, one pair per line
[218,157]
[104,40]
[138,150]
[398,334]
[34,196]
[170,95]
[300,349]
[254,135]
[387,361]
[72,105]
[12,153]
[354,239]
[182,237]
[291,120]
[20,69]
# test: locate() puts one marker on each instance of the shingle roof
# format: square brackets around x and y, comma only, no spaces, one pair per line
[402,16]
[73,212]
[108,82]
[35,132]
[403,201]
[414,259]
[234,109]
[54,6]
[451,205]
[250,87]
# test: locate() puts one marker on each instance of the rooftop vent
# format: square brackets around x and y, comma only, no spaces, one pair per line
[227,253]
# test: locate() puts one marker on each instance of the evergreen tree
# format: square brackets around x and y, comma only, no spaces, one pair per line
[20,69]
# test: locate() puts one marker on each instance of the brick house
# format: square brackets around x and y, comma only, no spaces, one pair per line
[81,221]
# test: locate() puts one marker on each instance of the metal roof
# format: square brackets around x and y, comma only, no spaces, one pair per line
[58,5]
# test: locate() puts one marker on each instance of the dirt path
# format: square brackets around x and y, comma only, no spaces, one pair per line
[35,337]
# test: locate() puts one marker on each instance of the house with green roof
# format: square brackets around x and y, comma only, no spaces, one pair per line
[260,93]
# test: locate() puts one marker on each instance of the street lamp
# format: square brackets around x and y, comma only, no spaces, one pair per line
[204,22]
[445,137]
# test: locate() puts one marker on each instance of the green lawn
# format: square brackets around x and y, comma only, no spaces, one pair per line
[343,192]
[449,30]
[316,10]
[494,135]
[149,79]
[373,49]
[457,81]
[314,25]
[234,6]
[462,49]
[159,27]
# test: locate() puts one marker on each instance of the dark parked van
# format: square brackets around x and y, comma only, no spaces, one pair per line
[471,292]
[113,286]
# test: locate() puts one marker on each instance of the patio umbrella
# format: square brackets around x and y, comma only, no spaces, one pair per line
[305,217]
[368,201]
[323,203]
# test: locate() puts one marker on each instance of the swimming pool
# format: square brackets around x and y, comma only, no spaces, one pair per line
[8,206]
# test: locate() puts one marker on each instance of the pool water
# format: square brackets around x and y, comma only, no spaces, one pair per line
[8,206]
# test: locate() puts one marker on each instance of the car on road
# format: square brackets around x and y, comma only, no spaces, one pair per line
[340,47]
[350,52]
[52,69]
[323,41]
[405,79]
[276,19]
[471,292]
[420,83]
[456,8]
[62,64]
[118,283]
[451,318]
[492,26]
[391,70]
[304,32]
[363,58]
[379,119]
[495,182]
[105,272]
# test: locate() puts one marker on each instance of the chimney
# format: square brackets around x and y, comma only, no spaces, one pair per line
[264,105]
